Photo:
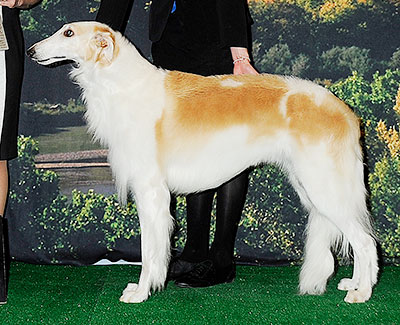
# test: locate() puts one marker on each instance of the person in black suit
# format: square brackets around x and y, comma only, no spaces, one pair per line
[206,37]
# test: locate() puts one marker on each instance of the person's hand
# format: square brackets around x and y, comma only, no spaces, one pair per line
[243,67]
[241,61]
[23,4]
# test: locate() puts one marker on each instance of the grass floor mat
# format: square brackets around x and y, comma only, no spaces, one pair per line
[43,294]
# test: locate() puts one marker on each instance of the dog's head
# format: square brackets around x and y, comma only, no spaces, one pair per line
[79,42]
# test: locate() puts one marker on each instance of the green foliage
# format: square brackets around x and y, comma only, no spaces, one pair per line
[179,236]
[58,225]
[70,227]
[31,189]
[355,91]
[273,220]
[383,95]
[278,59]
[346,36]
[281,22]
[371,101]
[394,62]
[339,62]
[97,213]
[385,205]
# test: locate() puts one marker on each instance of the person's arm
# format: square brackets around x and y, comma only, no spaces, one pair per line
[115,13]
[21,4]
[234,20]
[241,61]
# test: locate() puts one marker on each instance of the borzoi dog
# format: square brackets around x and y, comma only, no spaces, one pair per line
[162,126]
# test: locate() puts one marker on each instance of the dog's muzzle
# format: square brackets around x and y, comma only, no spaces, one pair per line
[50,62]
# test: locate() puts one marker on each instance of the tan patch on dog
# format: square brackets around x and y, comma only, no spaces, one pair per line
[308,120]
[207,104]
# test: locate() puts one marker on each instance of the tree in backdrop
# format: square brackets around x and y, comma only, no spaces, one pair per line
[317,30]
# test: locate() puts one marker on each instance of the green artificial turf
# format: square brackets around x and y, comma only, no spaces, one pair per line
[42,294]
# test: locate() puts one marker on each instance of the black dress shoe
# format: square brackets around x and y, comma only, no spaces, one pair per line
[206,275]
[178,268]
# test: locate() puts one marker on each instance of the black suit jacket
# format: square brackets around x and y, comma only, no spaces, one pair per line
[232,17]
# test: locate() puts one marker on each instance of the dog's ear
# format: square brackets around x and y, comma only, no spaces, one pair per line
[103,47]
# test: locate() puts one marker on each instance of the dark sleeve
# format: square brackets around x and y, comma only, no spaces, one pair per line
[234,23]
[115,13]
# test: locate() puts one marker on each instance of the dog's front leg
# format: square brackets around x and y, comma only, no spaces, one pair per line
[156,223]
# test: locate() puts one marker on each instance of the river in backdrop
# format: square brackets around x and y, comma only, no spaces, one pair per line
[98,179]
[71,140]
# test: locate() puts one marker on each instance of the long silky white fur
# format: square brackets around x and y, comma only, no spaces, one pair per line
[124,102]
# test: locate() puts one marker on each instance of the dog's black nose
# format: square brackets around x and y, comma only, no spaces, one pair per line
[31,51]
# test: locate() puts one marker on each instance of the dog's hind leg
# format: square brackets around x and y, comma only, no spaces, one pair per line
[365,273]
[337,192]
[347,284]
[354,221]
[318,263]
[156,224]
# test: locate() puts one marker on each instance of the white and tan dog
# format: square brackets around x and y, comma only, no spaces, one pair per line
[162,127]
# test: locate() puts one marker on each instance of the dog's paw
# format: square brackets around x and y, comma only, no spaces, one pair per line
[347,284]
[357,296]
[314,289]
[133,294]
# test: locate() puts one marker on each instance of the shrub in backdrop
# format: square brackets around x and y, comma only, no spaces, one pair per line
[340,61]
[279,60]
[31,189]
[88,227]
[385,187]
[385,206]
[394,62]
[272,225]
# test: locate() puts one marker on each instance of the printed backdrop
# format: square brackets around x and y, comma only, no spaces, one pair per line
[62,206]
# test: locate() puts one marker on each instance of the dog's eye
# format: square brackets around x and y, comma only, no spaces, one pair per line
[68,33]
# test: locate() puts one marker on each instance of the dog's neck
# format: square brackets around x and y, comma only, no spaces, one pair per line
[105,87]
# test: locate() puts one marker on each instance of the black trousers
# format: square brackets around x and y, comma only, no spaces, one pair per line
[177,51]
